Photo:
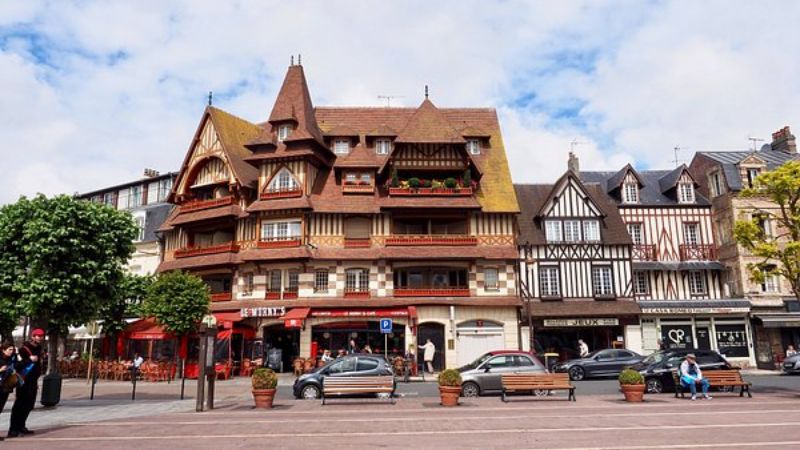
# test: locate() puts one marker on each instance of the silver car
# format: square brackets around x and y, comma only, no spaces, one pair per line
[482,376]
[791,364]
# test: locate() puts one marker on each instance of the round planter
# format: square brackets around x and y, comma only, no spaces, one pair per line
[633,392]
[263,397]
[449,395]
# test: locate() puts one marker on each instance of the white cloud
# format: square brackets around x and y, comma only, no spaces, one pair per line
[95,92]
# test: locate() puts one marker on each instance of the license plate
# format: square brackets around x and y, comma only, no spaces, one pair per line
[788,365]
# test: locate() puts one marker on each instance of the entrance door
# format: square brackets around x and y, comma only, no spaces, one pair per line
[703,339]
[281,346]
[434,332]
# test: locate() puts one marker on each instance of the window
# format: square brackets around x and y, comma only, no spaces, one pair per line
[164,186]
[771,281]
[524,361]
[383,146]
[344,366]
[275,280]
[277,231]
[321,280]
[715,184]
[501,361]
[630,193]
[366,364]
[685,193]
[108,198]
[591,230]
[291,281]
[249,283]
[763,223]
[572,230]
[601,281]
[135,197]
[282,182]
[140,222]
[366,178]
[697,283]
[549,282]
[490,279]
[474,147]
[635,230]
[357,280]
[641,284]
[341,146]
[752,174]
[553,230]
[691,234]
[283,132]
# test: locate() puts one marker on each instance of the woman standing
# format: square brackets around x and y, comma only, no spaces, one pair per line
[8,377]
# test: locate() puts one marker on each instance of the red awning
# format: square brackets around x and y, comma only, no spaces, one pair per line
[227,319]
[146,329]
[246,332]
[295,317]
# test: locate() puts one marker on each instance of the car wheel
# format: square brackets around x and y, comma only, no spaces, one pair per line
[654,386]
[576,373]
[470,390]
[309,392]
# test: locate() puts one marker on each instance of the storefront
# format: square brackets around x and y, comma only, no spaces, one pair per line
[774,330]
[719,325]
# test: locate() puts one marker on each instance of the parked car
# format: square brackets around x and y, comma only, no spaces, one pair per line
[601,363]
[791,364]
[482,376]
[309,385]
[658,368]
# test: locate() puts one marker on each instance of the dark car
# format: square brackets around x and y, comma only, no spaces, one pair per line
[659,368]
[601,363]
[309,385]
[482,376]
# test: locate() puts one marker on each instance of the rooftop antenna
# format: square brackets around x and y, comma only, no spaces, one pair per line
[210,98]
[426,92]
[574,143]
[675,151]
[755,141]
[389,98]
[299,59]
[291,60]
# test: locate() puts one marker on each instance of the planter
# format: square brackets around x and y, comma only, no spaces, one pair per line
[263,398]
[449,395]
[633,392]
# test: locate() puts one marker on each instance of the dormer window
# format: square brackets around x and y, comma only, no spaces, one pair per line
[686,193]
[474,147]
[715,184]
[752,174]
[341,146]
[630,193]
[283,132]
[383,146]
[282,182]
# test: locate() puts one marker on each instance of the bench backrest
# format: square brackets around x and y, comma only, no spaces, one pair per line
[541,379]
[357,382]
[723,376]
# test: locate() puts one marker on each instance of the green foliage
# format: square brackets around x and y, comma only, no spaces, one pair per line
[413,182]
[630,376]
[467,178]
[264,378]
[450,183]
[450,377]
[178,301]
[779,254]
[395,179]
[436,184]
[127,295]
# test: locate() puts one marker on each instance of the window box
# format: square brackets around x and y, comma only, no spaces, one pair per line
[214,249]
[289,295]
[432,292]
[221,297]
[272,294]
[358,188]
[197,205]
[433,192]
[357,243]
[279,242]
[271,194]
[397,240]
[356,293]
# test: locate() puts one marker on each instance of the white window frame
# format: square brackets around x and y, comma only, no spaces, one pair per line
[357,280]
[771,284]
[321,279]
[752,174]
[641,283]
[341,146]
[630,193]
[691,233]
[275,276]
[685,193]
[292,280]
[135,196]
[164,187]
[141,221]
[248,283]
[283,181]
[283,132]
[715,184]
[697,283]
[383,146]
[591,230]
[549,281]
[108,198]
[602,281]
[491,280]
[635,230]
[572,231]
[282,230]
[474,146]
[764,223]
[553,231]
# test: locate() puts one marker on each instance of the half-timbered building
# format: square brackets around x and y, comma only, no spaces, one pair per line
[575,267]
[312,226]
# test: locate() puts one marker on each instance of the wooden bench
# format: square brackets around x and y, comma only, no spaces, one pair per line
[531,382]
[338,386]
[718,378]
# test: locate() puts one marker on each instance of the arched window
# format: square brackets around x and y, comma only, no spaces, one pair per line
[283,181]
[357,280]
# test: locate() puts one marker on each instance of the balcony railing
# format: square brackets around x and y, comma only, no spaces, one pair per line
[698,252]
[431,239]
[197,205]
[227,247]
[221,297]
[271,194]
[356,293]
[280,242]
[456,291]
[446,192]
[357,243]
[643,252]
[358,188]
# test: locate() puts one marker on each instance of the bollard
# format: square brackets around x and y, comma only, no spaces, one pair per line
[133,392]
[94,382]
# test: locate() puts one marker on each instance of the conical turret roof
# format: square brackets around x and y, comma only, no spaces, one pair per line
[294,103]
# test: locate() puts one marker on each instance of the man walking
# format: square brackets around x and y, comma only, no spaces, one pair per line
[30,367]
[430,352]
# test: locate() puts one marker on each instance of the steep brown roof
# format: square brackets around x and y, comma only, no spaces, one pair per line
[280,203]
[219,259]
[327,197]
[360,156]
[206,214]
[382,130]
[294,103]
[429,125]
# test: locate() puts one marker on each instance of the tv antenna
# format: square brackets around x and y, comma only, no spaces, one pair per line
[675,151]
[574,143]
[389,98]
[755,141]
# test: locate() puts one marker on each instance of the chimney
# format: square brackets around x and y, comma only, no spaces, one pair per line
[783,141]
[573,164]
[150,173]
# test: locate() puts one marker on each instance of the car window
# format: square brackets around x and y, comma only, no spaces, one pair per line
[343,366]
[708,358]
[524,361]
[675,360]
[653,358]
[501,361]
[622,354]
[365,364]
[605,356]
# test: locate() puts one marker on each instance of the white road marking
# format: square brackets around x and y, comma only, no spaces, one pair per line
[668,446]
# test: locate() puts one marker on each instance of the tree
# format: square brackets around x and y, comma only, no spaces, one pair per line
[779,252]
[59,258]
[178,301]
[125,301]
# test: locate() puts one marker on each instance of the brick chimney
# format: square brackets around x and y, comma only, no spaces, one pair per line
[573,164]
[150,173]
[783,141]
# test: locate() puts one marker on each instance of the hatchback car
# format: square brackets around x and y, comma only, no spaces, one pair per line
[482,376]
[601,363]
[791,364]
[659,368]
[309,385]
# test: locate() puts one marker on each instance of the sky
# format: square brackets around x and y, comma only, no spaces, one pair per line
[92,93]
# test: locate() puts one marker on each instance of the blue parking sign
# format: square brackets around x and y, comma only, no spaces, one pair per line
[386,326]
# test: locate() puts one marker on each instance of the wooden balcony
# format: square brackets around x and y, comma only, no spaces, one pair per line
[458,291]
[272,194]
[284,242]
[357,243]
[356,293]
[351,188]
[197,205]
[698,252]
[643,252]
[221,297]
[397,240]
[228,247]
[431,192]
[277,294]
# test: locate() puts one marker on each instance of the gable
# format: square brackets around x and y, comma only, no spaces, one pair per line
[753,161]
[570,199]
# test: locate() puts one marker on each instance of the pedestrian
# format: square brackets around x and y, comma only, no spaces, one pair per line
[691,376]
[790,351]
[29,366]
[8,376]
[367,349]
[583,349]
[326,356]
[136,365]
[661,345]
[74,356]
[352,348]
[430,351]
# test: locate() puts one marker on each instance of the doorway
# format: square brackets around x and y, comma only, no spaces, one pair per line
[434,332]
[703,338]
[281,346]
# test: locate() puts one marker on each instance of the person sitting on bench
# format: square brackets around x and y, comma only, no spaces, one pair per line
[691,376]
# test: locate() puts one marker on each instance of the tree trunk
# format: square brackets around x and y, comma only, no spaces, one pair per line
[52,353]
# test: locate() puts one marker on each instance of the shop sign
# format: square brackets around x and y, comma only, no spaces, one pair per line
[581,322]
[359,313]
[293,323]
[732,340]
[647,310]
[276,311]
[677,336]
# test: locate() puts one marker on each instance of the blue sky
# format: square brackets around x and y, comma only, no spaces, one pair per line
[94,92]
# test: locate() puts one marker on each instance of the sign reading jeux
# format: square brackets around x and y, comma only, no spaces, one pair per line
[581,322]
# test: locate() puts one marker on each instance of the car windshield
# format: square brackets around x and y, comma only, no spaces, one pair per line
[478,361]
[654,358]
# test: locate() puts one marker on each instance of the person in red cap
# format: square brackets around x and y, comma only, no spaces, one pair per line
[30,368]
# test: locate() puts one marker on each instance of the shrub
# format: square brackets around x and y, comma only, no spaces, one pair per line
[395,180]
[450,377]
[436,184]
[264,378]
[413,182]
[630,376]
[425,183]
[450,183]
